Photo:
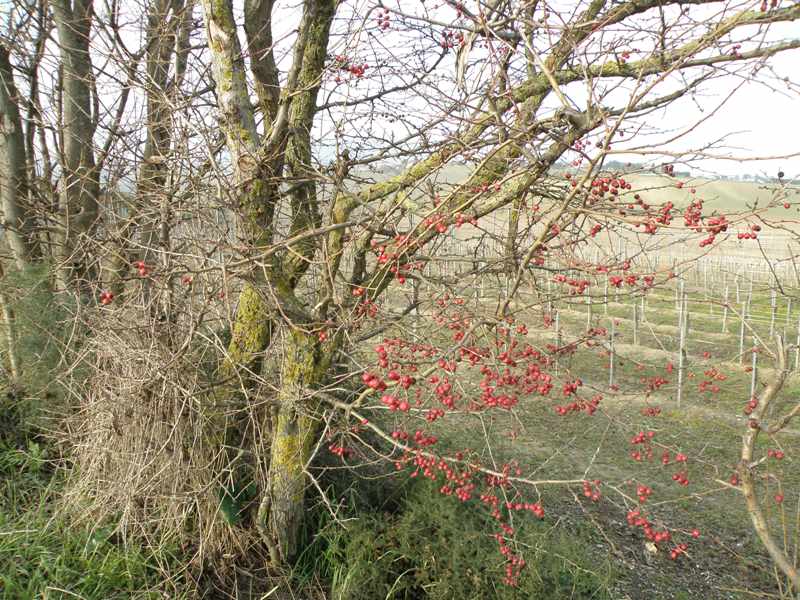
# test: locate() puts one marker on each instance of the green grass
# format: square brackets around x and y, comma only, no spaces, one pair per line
[43,555]
[42,559]
[431,546]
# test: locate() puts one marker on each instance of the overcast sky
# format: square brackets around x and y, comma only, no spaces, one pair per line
[757,121]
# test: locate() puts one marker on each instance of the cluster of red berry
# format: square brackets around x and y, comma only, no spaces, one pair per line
[451,39]
[342,63]
[591,490]
[749,235]
[772,4]
[383,19]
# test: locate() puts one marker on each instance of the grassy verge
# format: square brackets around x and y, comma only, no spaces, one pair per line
[420,544]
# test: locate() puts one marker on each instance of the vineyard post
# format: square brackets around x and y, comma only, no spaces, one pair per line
[741,333]
[754,371]
[797,349]
[773,305]
[611,355]
[788,311]
[558,339]
[588,310]
[644,307]
[415,302]
[683,319]
[725,311]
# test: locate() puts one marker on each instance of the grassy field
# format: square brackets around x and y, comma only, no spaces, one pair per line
[727,560]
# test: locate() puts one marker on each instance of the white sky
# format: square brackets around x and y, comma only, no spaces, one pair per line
[761,119]
[757,121]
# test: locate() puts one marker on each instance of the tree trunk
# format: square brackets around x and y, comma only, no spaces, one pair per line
[80,184]
[17,222]
[511,236]
[267,300]
[294,434]
[169,26]
[151,189]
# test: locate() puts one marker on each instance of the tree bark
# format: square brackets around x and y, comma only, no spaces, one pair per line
[258,168]
[294,434]
[161,35]
[17,219]
[80,183]
[746,467]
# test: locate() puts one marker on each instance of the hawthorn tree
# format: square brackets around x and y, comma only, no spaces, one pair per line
[290,196]
[501,122]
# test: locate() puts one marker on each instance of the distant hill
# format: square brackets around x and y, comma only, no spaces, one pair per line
[721,195]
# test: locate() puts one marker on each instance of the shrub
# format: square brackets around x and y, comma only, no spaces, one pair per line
[434,547]
[43,556]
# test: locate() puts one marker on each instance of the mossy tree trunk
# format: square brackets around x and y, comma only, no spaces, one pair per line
[267,301]
[294,436]
[80,185]
[17,217]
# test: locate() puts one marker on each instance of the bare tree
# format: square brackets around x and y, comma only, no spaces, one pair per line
[80,179]
[251,195]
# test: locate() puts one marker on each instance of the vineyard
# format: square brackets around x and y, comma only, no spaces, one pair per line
[679,362]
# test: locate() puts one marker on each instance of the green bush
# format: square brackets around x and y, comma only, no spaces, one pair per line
[42,557]
[39,327]
[436,547]
[40,317]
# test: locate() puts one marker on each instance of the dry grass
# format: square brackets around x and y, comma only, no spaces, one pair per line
[147,437]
